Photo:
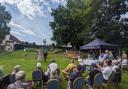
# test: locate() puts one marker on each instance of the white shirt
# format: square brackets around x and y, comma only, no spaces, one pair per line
[81,61]
[106,71]
[124,62]
[53,67]
[114,67]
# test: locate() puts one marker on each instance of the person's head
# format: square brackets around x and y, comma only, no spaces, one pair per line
[79,67]
[20,75]
[38,65]
[53,61]
[17,68]
[124,56]
[107,63]
[106,51]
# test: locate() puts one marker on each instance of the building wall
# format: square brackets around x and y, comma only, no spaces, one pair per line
[9,46]
[2,48]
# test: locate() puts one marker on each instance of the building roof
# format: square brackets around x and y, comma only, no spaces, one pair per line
[13,38]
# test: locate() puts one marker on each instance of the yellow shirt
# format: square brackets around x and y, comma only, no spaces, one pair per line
[70,66]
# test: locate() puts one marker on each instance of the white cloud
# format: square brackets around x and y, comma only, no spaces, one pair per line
[33,8]
[17,33]
[20,29]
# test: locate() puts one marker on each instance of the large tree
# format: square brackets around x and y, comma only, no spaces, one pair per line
[110,24]
[5,18]
[72,22]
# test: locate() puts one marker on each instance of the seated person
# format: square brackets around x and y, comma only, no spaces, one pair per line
[93,72]
[124,62]
[101,57]
[55,76]
[75,74]
[1,73]
[69,69]
[20,81]
[115,65]
[44,75]
[106,70]
[16,69]
[52,67]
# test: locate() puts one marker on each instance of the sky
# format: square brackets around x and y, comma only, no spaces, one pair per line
[30,18]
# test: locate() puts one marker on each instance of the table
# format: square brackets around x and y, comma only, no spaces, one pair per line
[89,62]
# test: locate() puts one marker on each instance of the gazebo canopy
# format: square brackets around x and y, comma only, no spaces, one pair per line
[98,44]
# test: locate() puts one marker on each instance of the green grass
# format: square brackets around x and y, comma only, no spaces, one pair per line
[28,64]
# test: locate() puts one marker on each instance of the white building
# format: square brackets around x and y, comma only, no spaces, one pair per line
[9,42]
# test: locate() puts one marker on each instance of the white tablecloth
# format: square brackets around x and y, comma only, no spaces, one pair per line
[89,62]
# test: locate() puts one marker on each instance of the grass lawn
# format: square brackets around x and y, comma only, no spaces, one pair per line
[28,64]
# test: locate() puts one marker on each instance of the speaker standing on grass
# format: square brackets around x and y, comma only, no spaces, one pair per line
[45,55]
[39,55]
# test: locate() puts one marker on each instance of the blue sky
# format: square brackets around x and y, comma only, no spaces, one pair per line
[30,18]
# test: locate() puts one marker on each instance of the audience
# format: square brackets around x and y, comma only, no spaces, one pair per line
[66,72]
[20,81]
[71,72]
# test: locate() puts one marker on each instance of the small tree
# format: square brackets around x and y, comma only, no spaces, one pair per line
[44,42]
[5,18]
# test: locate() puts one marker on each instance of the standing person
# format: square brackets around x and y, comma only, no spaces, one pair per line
[45,55]
[39,55]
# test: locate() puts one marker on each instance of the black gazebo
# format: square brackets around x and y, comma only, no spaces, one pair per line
[98,44]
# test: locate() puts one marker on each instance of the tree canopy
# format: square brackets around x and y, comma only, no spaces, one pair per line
[80,21]
[5,18]
[110,24]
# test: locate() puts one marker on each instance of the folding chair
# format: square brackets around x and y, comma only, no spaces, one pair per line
[37,77]
[78,83]
[53,84]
